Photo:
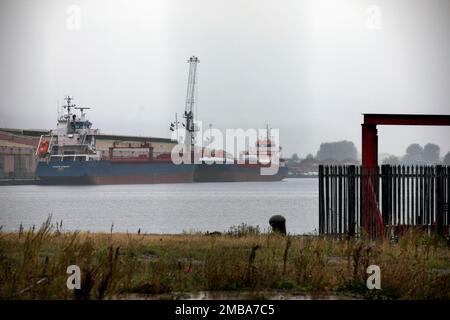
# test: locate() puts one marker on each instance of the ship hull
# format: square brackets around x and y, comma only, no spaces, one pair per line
[107,172]
[235,173]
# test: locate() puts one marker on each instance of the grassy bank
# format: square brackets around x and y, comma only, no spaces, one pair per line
[115,265]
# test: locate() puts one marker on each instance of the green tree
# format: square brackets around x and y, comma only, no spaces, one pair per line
[431,153]
[414,154]
[392,160]
[446,159]
[340,150]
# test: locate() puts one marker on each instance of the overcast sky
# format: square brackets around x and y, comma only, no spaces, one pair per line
[309,68]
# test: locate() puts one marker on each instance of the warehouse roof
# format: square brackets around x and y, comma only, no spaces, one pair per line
[39,132]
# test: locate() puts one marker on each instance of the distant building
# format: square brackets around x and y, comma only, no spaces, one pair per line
[17,160]
[309,167]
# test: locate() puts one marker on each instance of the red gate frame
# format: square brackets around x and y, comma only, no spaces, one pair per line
[370,132]
[369,148]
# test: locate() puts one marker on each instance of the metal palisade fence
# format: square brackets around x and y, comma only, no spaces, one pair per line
[355,200]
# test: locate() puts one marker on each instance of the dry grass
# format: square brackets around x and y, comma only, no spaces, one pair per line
[33,264]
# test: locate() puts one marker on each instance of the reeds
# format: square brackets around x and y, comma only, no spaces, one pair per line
[33,264]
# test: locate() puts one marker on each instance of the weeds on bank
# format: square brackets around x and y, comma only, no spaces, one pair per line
[33,264]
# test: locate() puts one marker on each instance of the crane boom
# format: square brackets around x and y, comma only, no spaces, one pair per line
[190,100]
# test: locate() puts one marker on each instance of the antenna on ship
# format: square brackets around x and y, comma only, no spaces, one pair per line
[83,114]
[268,133]
[68,107]
[58,109]
[190,100]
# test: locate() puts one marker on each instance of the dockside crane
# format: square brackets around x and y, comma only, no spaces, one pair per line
[190,101]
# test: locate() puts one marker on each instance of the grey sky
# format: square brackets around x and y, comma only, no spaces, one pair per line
[309,68]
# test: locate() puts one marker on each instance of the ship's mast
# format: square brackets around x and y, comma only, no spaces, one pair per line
[68,107]
[190,100]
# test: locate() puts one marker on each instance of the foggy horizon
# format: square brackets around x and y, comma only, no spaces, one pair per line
[308,68]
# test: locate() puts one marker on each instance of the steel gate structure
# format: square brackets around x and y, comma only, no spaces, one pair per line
[349,197]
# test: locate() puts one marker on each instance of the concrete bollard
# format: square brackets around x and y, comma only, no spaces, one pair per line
[278,224]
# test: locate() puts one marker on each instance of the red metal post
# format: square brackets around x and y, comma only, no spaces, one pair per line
[368,178]
[369,146]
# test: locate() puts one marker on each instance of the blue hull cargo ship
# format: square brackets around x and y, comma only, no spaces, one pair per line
[68,155]
[235,172]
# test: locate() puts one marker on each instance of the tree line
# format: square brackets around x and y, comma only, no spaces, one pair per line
[346,151]
[418,155]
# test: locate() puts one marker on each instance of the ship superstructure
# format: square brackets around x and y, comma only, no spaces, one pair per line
[72,140]
[68,155]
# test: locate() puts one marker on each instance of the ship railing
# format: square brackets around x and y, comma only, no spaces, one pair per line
[73,157]
[77,145]
[39,144]
[50,142]
[40,140]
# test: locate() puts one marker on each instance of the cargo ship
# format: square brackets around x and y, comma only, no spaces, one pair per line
[234,173]
[247,167]
[68,155]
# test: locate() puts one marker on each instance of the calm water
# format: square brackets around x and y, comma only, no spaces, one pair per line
[163,208]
